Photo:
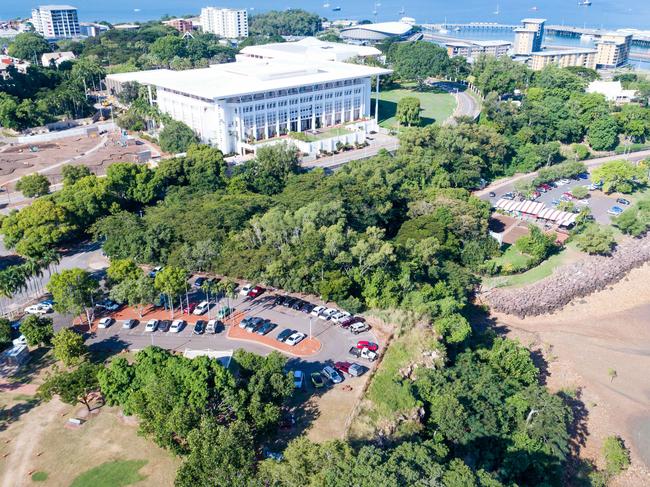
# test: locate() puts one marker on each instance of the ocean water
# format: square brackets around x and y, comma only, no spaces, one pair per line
[602,13]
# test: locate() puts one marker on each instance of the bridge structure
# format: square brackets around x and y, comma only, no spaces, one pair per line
[469,26]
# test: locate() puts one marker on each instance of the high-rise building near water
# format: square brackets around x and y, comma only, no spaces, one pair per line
[56,21]
[225,22]
[613,49]
[528,39]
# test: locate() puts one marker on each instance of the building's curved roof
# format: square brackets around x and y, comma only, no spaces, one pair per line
[388,28]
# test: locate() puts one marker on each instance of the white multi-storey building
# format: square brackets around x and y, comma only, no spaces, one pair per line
[225,22]
[56,21]
[234,106]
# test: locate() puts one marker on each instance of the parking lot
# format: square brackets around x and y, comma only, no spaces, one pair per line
[329,344]
[597,201]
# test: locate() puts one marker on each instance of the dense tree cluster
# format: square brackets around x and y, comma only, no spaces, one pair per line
[421,60]
[290,22]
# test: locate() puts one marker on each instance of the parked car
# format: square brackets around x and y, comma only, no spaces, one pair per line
[351,320]
[298,379]
[155,271]
[583,175]
[615,210]
[562,182]
[295,339]
[38,309]
[129,324]
[243,323]
[317,380]
[189,308]
[317,310]
[623,201]
[177,326]
[357,370]
[328,313]
[332,374]
[340,316]
[373,347]
[198,283]
[255,292]
[279,300]
[254,324]
[492,194]
[199,327]
[343,367]
[152,325]
[284,334]
[266,328]
[297,304]
[245,289]
[359,328]
[105,322]
[201,308]
[223,312]
[534,195]
[108,305]
[214,326]
[508,196]
[164,325]
[363,353]
[307,308]
[288,301]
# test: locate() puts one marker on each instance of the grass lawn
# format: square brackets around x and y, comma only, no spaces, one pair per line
[388,396]
[436,106]
[512,257]
[112,474]
[566,256]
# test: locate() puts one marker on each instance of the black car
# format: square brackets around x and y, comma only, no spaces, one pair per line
[307,308]
[623,201]
[260,325]
[199,327]
[199,282]
[164,325]
[266,328]
[298,304]
[289,301]
[284,334]
[279,300]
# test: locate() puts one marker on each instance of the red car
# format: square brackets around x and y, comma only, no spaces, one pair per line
[189,309]
[343,367]
[255,292]
[373,347]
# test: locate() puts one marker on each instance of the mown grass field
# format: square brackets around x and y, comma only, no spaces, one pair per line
[436,106]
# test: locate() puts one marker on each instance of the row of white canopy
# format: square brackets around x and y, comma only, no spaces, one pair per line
[538,210]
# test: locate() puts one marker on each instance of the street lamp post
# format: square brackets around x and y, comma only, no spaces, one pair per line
[310,327]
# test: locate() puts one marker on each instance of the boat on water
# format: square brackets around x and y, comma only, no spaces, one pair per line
[326,5]
[497,11]
[456,29]
[534,8]
[402,12]
[336,9]
[136,9]
[584,3]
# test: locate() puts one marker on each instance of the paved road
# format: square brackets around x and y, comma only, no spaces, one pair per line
[508,184]
[377,142]
[466,104]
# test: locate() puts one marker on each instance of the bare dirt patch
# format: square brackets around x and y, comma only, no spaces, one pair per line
[598,348]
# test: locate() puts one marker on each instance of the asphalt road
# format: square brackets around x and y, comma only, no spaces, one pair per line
[466,104]
[335,341]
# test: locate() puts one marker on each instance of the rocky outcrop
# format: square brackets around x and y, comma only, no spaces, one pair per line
[576,280]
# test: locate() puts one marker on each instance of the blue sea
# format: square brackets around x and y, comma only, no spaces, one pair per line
[602,13]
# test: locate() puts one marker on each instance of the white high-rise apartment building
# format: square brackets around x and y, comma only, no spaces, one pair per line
[225,22]
[56,21]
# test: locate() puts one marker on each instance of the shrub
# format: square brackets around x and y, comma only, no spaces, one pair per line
[568,169]
[580,151]
[580,192]
[596,239]
[617,457]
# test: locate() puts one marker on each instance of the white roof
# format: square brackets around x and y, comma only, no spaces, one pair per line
[312,49]
[393,28]
[533,21]
[243,78]
[611,89]
[57,7]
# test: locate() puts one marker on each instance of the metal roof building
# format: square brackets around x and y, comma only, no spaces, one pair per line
[376,32]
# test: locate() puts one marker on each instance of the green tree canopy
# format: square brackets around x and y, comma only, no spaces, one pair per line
[176,137]
[69,347]
[408,111]
[33,185]
[38,330]
[73,173]
[596,239]
[74,291]
[29,46]
[620,176]
[75,386]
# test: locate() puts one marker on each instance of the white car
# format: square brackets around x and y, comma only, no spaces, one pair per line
[105,322]
[328,313]
[359,328]
[152,325]
[38,309]
[177,326]
[295,339]
[298,379]
[245,289]
[317,310]
[212,326]
[128,324]
[201,308]
[340,316]
[562,182]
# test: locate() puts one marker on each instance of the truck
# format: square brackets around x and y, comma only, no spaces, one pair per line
[363,353]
